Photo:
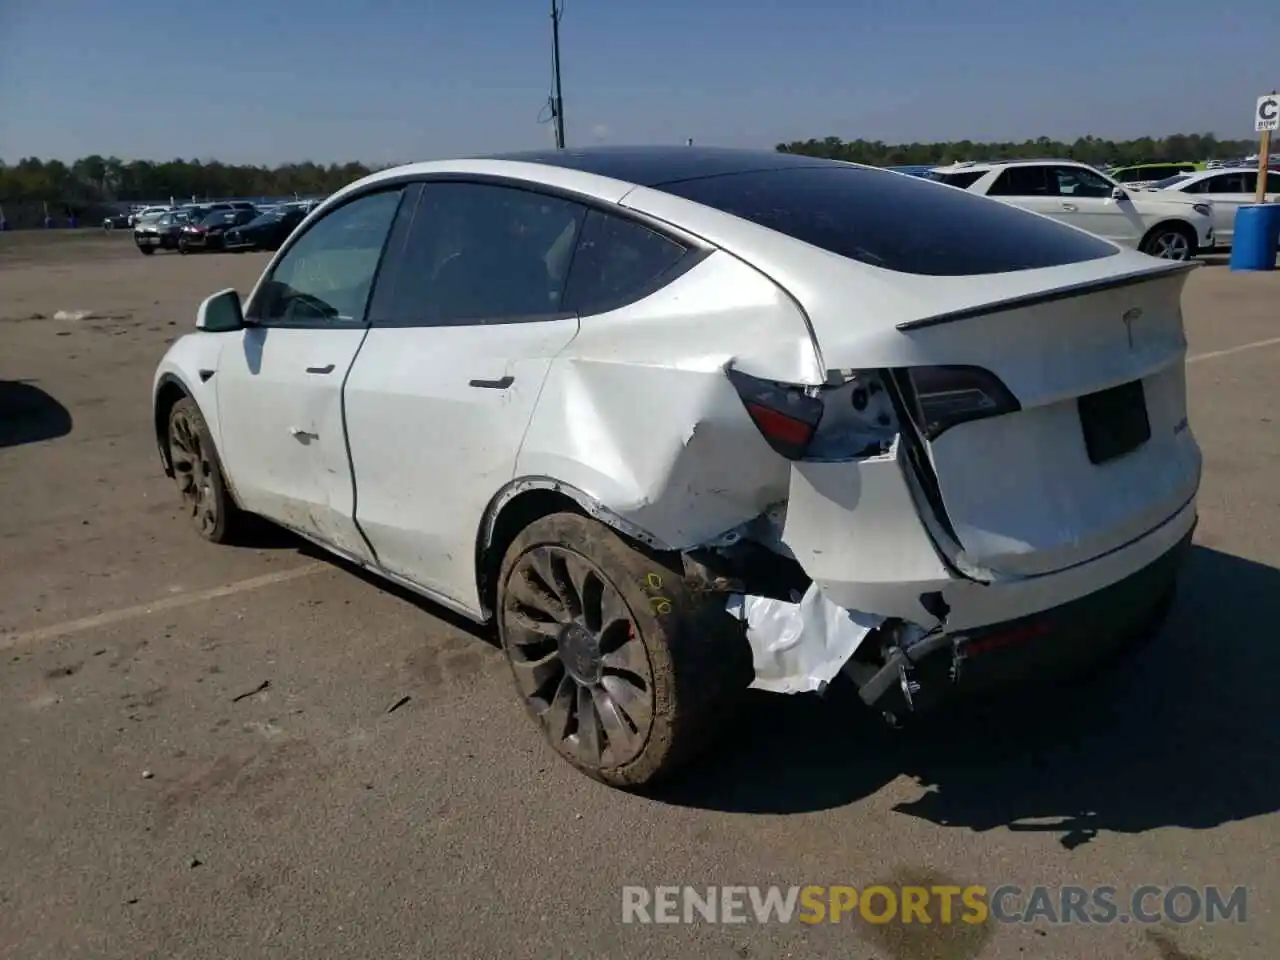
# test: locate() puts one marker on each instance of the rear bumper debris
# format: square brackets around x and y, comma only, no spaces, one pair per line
[799,647]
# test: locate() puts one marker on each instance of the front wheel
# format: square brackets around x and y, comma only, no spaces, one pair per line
[146,251]
[1170,242]
[626,670]
[198,473]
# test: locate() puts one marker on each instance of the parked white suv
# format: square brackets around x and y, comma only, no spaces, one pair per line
[1165,225]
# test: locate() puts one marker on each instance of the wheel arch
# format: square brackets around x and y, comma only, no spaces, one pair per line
[520,503]
[169,390]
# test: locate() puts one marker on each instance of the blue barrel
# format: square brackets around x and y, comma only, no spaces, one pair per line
[1256,236]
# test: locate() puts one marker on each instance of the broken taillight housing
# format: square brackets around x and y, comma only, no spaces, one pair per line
[786,416]
[950,395]
[850,418]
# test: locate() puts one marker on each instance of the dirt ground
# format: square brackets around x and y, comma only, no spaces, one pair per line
[201,758]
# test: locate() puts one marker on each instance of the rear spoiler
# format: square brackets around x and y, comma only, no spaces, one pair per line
[1048,296]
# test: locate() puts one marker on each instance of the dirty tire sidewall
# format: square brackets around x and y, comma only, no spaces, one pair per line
[698,655]
[229,516]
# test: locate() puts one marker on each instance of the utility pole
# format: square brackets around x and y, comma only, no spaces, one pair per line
[557,99]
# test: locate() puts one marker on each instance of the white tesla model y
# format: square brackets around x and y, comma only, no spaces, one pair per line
[683,421]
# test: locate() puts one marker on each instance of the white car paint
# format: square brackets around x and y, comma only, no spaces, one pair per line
[1117,212]
[1226,189]
[399,446]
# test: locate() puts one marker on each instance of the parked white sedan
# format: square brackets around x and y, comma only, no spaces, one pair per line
[684,421]
[1227,190]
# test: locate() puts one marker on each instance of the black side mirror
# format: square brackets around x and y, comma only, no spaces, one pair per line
[220,313]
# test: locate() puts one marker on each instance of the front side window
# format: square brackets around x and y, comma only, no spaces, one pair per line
[1225,183]
[1079,182]
[326,276]
[618,262]
[480,253]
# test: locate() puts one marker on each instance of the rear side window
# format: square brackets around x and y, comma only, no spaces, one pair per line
[898,223]
[618,262]
[962,179]
[1025,182]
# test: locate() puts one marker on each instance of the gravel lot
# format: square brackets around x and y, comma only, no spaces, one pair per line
[201,761]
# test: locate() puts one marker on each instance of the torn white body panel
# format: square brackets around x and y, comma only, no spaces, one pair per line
[637,412]
[799,647]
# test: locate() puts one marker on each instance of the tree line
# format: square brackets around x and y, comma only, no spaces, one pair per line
[94,180]
[1095,151]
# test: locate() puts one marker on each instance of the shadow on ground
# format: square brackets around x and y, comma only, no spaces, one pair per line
[1183,733]
[29,415]
[263,535]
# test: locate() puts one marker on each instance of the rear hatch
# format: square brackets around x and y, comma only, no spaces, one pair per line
[1089,448]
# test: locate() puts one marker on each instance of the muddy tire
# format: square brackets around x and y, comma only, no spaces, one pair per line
[1170,241]
[627,670]
[198,473]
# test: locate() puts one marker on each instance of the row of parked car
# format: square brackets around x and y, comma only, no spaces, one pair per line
[1190,212]
[231,225]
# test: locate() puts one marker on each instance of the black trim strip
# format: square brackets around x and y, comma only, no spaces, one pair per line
[1049,296]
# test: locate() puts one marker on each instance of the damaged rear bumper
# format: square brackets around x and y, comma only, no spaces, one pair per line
[993,635]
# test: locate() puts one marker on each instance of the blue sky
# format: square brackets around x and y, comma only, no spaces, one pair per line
[392,80]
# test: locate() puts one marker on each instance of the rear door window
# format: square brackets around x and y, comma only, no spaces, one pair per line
[618,262]
[897,223]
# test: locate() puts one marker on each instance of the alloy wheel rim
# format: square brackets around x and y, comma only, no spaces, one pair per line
[577,657]
[193,471]
[1173,246]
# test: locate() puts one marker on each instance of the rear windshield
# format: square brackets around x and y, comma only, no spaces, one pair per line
[905,224]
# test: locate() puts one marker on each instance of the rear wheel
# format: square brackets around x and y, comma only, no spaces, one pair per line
[627,671]
[1170,241]
[198,473]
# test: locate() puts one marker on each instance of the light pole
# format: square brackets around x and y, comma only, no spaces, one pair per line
[557,98]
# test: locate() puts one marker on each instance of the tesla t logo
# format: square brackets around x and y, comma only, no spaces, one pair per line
[1130,317]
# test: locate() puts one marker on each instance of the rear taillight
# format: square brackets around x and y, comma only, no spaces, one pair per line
[845,420]
[784,414]
[947,396]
